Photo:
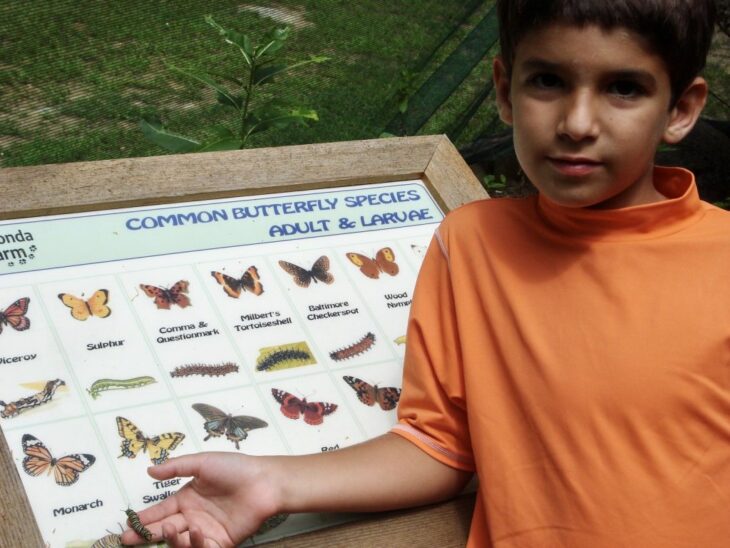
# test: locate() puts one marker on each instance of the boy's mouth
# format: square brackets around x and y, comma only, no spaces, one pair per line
[574,166]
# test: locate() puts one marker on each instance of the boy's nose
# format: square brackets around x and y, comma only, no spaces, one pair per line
[578,120]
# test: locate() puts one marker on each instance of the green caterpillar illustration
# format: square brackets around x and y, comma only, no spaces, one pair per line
[102,385]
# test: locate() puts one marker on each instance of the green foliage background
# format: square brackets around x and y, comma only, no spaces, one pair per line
[77,75]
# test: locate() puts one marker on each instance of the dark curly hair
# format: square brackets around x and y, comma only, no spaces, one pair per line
[679,31]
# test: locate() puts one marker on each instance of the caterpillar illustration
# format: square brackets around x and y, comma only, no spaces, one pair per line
[137,526]
[112,540]
[363,345]
[15,408]
[214,370]
[102,385]
[286,356]
[271,523]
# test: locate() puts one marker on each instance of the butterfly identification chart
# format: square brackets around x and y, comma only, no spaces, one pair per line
[272,324]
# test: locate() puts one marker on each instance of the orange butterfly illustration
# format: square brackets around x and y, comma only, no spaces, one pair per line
[249,281]
[387,398]
[166,297]
[66,470]
[14,315]
[293,407]
[384,261]
[303,277]
[81,309]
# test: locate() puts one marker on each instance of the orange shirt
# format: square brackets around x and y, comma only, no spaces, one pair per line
[578,361]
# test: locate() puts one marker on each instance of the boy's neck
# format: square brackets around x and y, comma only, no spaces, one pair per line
[635,195]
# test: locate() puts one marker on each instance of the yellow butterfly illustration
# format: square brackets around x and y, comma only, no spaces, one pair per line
[158,447]
[81,309]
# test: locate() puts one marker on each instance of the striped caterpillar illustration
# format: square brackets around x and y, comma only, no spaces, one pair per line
[15,408]
[137,526]
[271,523]
[215,370]
[102,385]
[363,345]
[112,540]
[286,356]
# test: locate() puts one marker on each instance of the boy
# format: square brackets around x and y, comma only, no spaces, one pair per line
[573,348]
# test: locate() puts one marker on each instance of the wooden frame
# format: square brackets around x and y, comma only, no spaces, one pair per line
[110,184]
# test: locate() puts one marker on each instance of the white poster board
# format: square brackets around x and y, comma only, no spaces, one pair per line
[284,314]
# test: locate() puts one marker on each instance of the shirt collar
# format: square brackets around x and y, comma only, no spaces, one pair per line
[681,208]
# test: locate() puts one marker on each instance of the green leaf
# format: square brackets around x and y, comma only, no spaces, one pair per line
[222,144]
[158,135]
[235,101]
[280,33]
[265,74]
[222,132]
[277,37]
[207,80]
[238,39]
[227,78]
[279,118]
[315,59]
[267,49]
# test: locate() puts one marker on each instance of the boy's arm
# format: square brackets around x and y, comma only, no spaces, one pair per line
[231,494]
[383,474]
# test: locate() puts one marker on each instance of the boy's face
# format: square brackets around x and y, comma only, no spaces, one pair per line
[589,108]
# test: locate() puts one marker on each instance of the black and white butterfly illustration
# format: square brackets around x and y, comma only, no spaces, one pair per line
[234,427]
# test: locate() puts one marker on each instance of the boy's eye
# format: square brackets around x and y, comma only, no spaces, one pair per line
[545,81]
[625,88]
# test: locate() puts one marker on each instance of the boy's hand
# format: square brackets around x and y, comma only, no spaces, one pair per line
[227,498]
[231,494]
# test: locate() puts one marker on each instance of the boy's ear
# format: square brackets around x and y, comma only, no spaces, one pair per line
[502,90]
[686,111]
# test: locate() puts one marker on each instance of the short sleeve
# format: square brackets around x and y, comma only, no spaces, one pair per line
[432,410]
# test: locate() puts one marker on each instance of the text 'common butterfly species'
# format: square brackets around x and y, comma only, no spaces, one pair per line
[293,407]
[303,277]
[249,281]
[134,441]
[65,470]
[387,398]
[15,315]
[384,261]
[164,298]
[234,427]
[82,309]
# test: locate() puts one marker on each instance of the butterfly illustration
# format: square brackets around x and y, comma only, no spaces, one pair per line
[302,277]
[14,315]
[81,309]
[135,441]
[384,261]
[387,398]
[166,297]
[218,423]
[249,281]
[66,470]
[292,407]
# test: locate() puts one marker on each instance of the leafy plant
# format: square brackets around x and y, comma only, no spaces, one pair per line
[240,93]
[495,184]
[724,203]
